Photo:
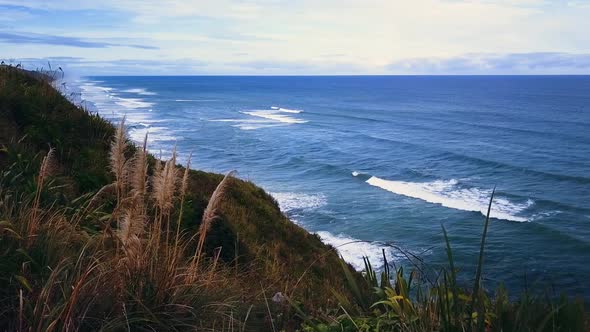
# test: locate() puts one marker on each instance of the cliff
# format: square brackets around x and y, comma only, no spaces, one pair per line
[260,248]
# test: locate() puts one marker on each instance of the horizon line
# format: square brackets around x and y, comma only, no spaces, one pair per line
[330,75]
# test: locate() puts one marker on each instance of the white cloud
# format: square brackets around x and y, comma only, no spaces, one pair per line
[517,63]
[367,34]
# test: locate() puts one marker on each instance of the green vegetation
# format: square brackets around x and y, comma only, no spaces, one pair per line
[96,234]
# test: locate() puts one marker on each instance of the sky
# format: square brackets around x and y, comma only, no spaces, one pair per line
[298,37]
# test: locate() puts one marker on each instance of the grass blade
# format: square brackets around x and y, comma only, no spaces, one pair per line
[453,272]
[476,284]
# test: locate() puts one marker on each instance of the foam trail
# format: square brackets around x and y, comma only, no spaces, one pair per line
[289,201]
[246,126]
[239,121]
[133,103]
[249,124]
[286,110]
[140,91]
[447,194]
[155,134]
[275,116]
[193,100]
[137,111]
[353,251]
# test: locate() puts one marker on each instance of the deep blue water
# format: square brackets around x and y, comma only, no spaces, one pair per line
[390,159]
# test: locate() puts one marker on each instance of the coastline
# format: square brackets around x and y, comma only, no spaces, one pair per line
[101,262]
[405,185]
[137,111]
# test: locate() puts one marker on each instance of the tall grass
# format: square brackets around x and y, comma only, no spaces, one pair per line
[136,273]
[44,172]
[210,215]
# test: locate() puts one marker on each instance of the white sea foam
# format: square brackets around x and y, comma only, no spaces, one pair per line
[249,126]
[289,201]
[100,97]
[194,100]
[274,115]
[239,120]
[133,103]
[286,110]
[353,250]
[106,99]
[140,91]
[136,110]
[355,173]
[155,134]
[543,215]
[449,194]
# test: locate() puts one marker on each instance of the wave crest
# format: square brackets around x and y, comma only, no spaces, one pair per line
[289,201]
[449,194]
[266,118]
[274,115]
[140,91]
[353,250]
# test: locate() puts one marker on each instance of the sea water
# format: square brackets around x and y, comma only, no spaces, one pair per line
[381,162]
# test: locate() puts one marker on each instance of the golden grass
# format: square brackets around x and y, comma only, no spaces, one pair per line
[47,166]
[210,215]
[133,273]
[118,160]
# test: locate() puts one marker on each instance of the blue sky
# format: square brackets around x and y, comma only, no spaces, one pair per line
[297,37]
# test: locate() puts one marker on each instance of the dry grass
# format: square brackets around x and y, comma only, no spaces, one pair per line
[132,275]
[210,215]
[47,166]
[118,160]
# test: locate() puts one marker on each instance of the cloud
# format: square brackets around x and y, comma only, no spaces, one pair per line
[78,66]
[14,14]
[511,63]
[307,36]
[35,38]
[468,64]
[271,65]
[302,67]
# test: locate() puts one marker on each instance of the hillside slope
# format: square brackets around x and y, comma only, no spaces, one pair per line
[255,238]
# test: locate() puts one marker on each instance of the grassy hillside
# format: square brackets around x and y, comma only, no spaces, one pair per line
[261,251]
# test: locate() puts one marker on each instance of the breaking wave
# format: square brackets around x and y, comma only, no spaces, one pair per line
[449,194]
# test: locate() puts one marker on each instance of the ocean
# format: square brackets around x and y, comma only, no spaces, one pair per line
[387,160]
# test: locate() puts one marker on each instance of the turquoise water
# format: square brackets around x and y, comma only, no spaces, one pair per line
[390,159]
